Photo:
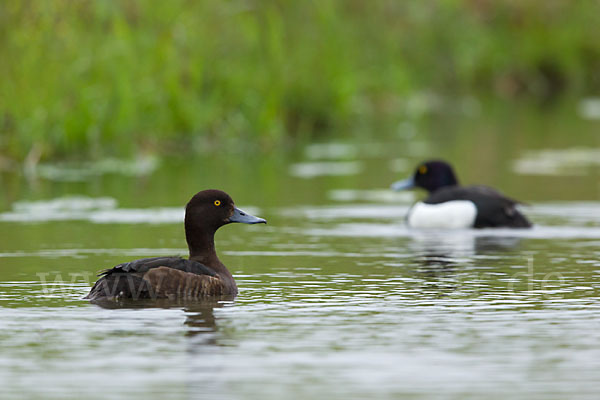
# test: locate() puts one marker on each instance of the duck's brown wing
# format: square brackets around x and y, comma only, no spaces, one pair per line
[157,277]
[176,284]
[146,264]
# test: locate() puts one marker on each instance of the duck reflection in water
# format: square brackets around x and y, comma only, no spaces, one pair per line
[459,244]
[443,253]
[200,319]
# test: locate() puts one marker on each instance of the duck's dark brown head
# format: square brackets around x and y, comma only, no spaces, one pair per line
[208,210]
[429,175]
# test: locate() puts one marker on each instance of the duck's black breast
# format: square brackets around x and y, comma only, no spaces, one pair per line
[158,277]
[493,208]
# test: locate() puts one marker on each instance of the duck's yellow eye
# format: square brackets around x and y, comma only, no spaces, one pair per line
[422,169]
[217,203]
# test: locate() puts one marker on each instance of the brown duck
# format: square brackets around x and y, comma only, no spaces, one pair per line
[202,275]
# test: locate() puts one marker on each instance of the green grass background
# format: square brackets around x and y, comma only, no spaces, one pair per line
[90,78]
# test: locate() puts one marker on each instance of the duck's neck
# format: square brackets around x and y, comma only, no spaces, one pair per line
[447,179]
[432,190]
[201,244]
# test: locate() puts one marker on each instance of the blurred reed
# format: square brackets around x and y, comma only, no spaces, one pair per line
[90,78]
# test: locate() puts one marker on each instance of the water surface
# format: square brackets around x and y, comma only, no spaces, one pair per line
[338,299]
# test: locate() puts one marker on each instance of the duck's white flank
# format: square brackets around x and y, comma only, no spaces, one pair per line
[449,215]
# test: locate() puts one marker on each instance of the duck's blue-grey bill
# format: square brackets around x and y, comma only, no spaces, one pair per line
[402,185]
[245,218]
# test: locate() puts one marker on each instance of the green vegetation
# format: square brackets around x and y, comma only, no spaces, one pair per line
[94,78]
